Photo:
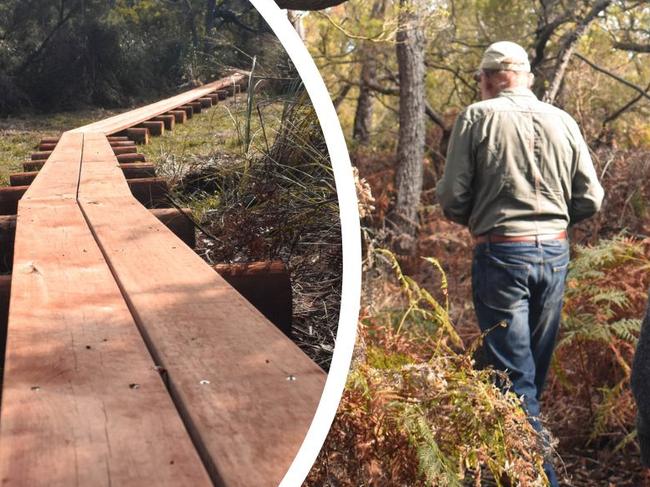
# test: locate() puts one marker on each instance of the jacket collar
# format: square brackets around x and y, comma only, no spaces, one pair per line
[519,91]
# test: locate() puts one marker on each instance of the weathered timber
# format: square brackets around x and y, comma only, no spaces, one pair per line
[168,120]
[122,143]
[214,97]
[155,128]
[266,285]
[136,170]
[41,156]
[180,116]
[151,192]
[138,135]
[222,94]
[82,398]
[9,197]
[179,222]
[125,150]
[7,236]
[22,178]
[196,106]
[29,166]
[206,102]
[46,146]
[189,111]
[126,158]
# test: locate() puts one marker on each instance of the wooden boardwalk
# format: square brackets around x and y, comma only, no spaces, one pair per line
[129,360]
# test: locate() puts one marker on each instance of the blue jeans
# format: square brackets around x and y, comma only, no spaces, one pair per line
[518,289]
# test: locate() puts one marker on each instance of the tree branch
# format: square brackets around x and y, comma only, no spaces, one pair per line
[632,46]
[614,76]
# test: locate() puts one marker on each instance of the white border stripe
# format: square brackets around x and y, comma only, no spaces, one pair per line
[351,290]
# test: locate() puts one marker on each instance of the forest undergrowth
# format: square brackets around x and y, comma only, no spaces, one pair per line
[588,405]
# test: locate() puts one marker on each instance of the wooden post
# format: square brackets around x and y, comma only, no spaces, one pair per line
[266,285]
[196,106]
[151,192]
[121,143]
[206,102]
[139,135]
[222,94]
[155,128]
[22,178]
[126,158]
[137,170]
[50,140]
[214,97]
[29,166]
[46,146]
[180,116]
[189,111]
[7,237]
[125,150]
[41,156]
[168,120]
[9,197]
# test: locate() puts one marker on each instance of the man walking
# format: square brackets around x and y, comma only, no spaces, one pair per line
[518,173]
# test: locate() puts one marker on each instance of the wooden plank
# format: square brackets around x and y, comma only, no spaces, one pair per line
[126,158]
[82,403]
[176,220]
[123,121]
[138,135]
[206,102]
[247,394]
[125,150]
[59,177]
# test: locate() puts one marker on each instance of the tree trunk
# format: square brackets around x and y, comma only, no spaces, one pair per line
[296,20]
[363,114]
[568,47]
[367,56]
[410,149]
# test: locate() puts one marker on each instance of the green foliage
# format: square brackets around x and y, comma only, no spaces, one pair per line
[603,300]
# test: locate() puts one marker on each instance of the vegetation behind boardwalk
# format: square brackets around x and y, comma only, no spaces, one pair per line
[590,58]
[58,54]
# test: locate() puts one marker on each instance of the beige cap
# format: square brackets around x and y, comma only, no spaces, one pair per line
[505,56]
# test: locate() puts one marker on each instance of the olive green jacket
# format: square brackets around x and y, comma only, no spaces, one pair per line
[517,166]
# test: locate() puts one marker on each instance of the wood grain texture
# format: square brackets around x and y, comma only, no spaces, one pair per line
[82,402]
[250,417]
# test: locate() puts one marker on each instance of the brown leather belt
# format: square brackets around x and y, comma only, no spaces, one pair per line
[524,238]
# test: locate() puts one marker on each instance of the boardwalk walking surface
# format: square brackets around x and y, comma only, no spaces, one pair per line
[129,360]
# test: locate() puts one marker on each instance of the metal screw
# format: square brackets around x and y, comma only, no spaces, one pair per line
[204,382]
[36,388]
[291,378]
[134,386]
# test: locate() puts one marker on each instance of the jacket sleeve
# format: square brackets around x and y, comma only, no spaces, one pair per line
[586,192]
[454,191]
